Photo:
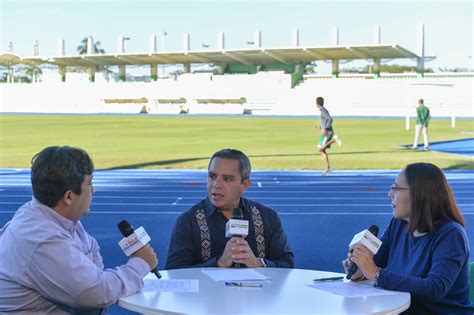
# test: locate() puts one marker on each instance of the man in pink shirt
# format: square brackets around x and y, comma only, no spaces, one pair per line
[48,263]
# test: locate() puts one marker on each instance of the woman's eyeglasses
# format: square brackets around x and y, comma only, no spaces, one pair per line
[395,187]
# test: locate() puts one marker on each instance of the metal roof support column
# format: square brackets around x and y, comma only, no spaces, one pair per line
[220,41]
[92,70]
[186,48]
[10,78]
[420,50]
[35,53]
[61,47]
[335,68]
[186,42]
[376,68]
[121,49]
[90,51]
[35,48]
[154,72]
[90,45]
[257,39]
[120,45]
[335,62]
[62,73]
[221,68]
[295,38]
[187,68]
[122,73]
[335,36]
[62,52]
[152,48]
[377,39]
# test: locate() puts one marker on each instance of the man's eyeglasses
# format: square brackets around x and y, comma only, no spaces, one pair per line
[395,187]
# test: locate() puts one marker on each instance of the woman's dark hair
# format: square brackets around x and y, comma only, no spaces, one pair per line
[432,200]
[56,170]
[232,154]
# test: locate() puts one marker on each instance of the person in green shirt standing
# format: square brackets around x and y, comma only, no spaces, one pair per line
[422,119]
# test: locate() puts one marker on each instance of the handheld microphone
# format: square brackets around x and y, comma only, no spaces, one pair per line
[369,239]
[134,240]
[237,226]
[237,214]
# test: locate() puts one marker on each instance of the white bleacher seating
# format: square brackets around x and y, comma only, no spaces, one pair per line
[266,93]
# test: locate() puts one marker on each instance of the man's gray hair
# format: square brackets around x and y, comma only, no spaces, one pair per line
[232,154]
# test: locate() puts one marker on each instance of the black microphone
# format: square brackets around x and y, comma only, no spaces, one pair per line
[237,214]
[353,267]
[126,229]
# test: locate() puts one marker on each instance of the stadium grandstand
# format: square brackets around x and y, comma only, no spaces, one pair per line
[257,80]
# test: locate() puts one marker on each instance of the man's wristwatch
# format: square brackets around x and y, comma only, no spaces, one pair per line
[262,261]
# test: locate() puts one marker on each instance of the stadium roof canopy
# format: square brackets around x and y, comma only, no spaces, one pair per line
[250,56]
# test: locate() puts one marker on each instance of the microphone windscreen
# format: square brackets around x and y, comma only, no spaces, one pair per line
[237,214]
[125,228]
[374,229]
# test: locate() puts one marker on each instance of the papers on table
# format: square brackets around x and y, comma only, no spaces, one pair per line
[170,285]
[350,289]
[234,274]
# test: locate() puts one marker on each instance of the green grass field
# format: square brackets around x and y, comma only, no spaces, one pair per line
[188,141]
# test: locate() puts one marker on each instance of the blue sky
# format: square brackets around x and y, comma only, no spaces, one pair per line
[448,24]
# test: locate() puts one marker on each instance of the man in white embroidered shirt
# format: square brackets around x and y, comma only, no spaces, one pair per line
[198,238]
[48,263]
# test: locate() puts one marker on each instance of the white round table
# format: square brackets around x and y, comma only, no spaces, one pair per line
[286,293]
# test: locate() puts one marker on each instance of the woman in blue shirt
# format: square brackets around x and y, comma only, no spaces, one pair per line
[425,250]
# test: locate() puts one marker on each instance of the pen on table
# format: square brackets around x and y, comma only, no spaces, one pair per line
[329,279]
[243,284]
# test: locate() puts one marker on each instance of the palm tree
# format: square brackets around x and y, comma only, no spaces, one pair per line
[32,72]
[26,73]
[82,48]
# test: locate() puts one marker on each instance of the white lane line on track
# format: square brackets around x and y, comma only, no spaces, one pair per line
[347,213]
[315,205]
[191,204]
[276,192]
[280,213]
[265,199]
[97,197]
[177,200]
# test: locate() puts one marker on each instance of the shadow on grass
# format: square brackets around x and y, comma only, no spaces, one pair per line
[358,152]
[461,166]
[177,161]
[155,163]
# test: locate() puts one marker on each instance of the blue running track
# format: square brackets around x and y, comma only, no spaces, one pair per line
[463,147]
